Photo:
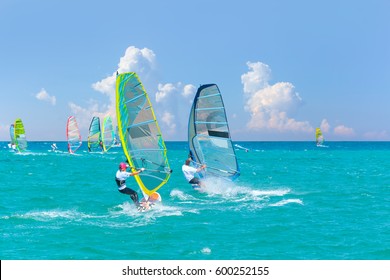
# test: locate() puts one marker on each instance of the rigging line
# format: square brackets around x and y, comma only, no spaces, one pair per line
[221,170]
[157,164]
[214,168]
[168,171]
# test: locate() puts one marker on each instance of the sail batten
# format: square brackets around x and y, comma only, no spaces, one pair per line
[209,95]
[140,124]
[200,122]
[211,108]
[209,135]
[140,134]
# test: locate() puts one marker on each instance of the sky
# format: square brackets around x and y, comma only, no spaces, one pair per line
[283,67]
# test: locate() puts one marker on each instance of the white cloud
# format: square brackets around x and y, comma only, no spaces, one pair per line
[189,91]
[167,119]
[342,130]
[377,135]
[171,114]
[269,105]
[141,61]
[174,100]
[257,78]
[84,115]
[44,96]
[325,126]
[164,91]
[137,60]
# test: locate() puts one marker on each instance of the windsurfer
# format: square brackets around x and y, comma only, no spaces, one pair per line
[54,147]
[120,178]
[189,173]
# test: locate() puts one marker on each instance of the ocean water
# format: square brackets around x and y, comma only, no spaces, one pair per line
[293,201]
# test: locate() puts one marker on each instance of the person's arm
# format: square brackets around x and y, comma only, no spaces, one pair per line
[137,172]
[201,168]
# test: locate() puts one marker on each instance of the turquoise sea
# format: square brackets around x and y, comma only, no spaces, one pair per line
[293,201]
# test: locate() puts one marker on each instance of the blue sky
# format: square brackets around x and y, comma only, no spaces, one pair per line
[283,67]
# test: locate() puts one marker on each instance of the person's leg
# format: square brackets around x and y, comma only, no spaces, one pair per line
[195,181]
[133,195]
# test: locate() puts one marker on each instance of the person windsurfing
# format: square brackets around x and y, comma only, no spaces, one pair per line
[189,173]
[120,179]
[54,147]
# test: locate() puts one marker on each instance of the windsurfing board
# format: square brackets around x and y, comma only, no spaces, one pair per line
[148,204]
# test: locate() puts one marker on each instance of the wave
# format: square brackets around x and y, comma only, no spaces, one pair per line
[224,195]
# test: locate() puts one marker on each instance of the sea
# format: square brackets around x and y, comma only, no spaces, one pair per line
[292,201]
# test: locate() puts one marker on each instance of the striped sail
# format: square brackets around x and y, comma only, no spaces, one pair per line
[73,135]
[140,134]
[209,136]
[94,135]
[108,133]
[20,136]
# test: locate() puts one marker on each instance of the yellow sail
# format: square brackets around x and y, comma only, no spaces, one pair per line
[20,136]
[140,134]
[319,137]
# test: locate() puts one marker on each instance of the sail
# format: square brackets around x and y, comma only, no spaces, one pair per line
[94,135]
[73,135]
[108,133]
[209,136]
[140,134]
[117,141]
[319,137]
[12,133]
[20,136]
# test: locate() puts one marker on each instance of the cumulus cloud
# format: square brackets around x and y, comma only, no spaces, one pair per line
[44,96]
[141,61]
[168,120]
[270,105]
[188,91]
[325,126]
[84,114]
[342,130]
[174,101]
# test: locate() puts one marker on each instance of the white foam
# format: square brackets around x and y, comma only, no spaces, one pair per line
[206,251]
[276,192]
[286,201]
[54,214]
[180,195]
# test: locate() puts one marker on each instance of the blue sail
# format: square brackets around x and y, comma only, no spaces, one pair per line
[209,136]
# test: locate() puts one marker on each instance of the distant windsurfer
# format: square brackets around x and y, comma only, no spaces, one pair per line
[120,178]
[189,173]
[12,146]
[54,147]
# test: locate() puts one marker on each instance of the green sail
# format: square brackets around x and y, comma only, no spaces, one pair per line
[20,136]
